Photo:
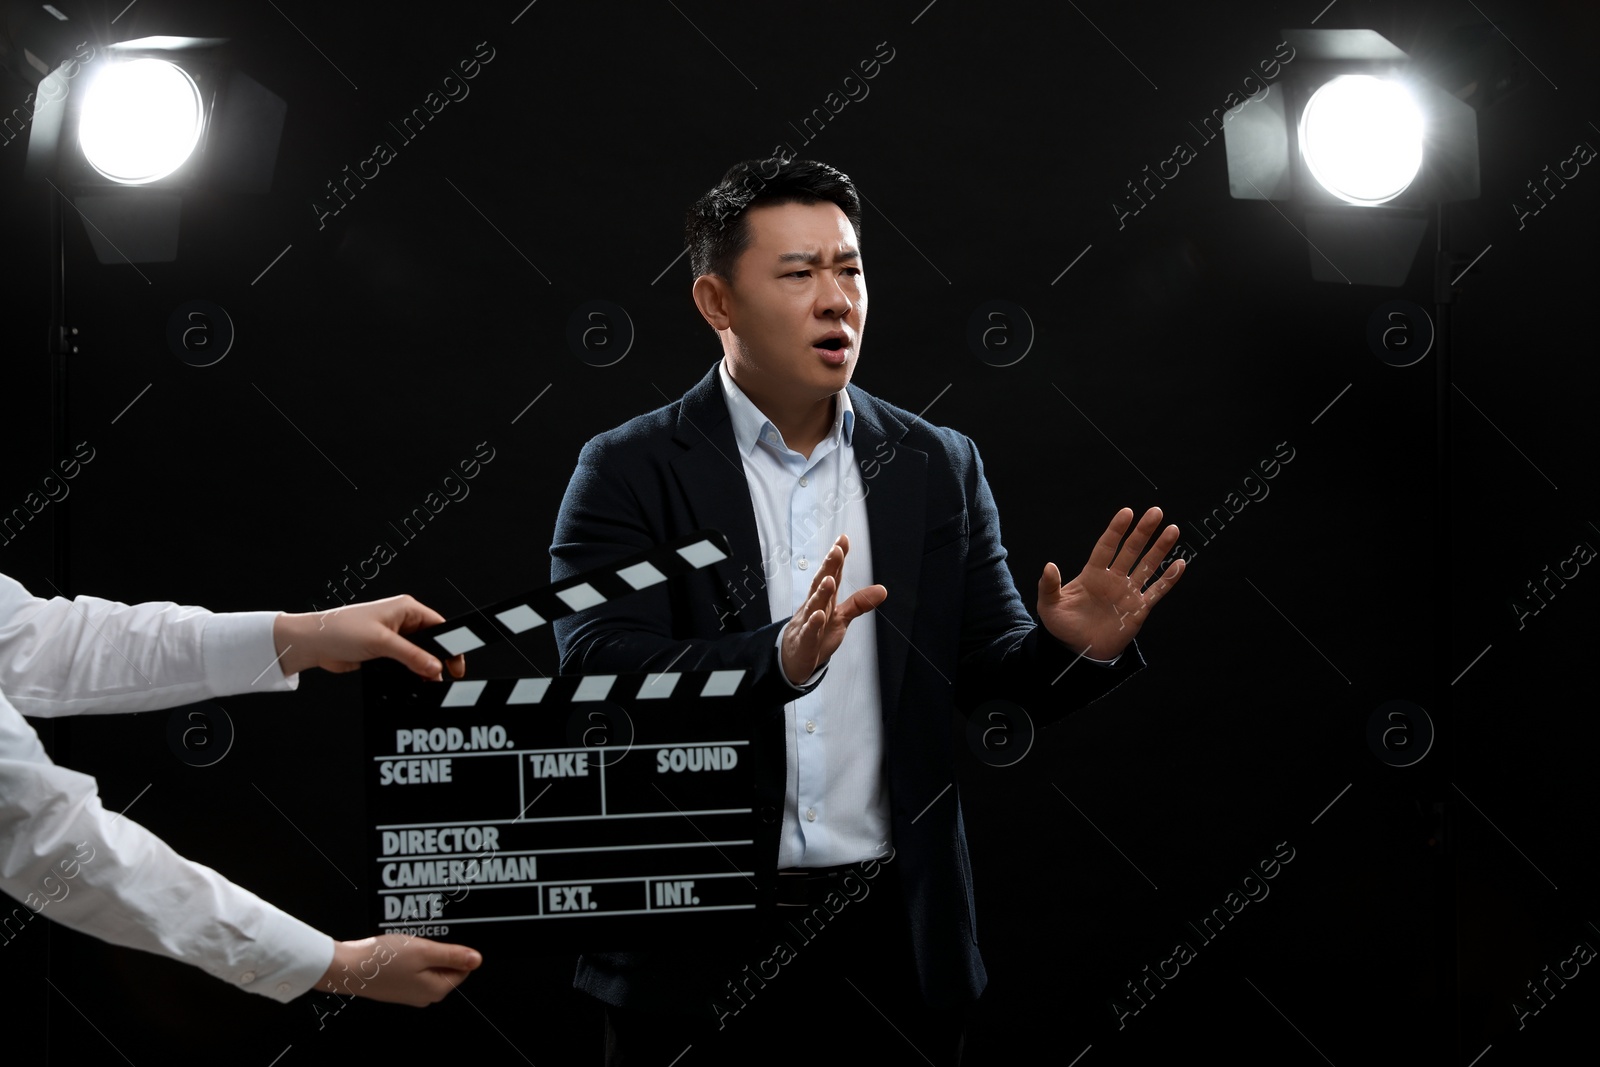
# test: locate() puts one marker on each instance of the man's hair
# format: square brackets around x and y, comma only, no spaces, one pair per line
[717,228]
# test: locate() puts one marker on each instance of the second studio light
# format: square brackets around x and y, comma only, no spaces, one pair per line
[1362,138]
[1364,142]
[141,120]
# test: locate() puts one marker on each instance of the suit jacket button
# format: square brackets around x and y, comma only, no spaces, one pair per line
[768,813]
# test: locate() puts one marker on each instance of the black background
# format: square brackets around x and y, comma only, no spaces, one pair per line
[1177,353]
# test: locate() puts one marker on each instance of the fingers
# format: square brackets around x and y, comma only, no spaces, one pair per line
[1106,546]
[414,614]
[802,642]
[832,567]
[415,971]
[805,623]
[832,563]
[411,656]
[405,614]
[863,601]
[426,986]
[1108,555]
[1049,583]
[818,626]
[438,954]
[1152,559]
[812,617]
[813,614]
[1134,544]
[1163,585]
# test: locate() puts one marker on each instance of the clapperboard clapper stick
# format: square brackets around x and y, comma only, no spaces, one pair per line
[527,611]
[569,812]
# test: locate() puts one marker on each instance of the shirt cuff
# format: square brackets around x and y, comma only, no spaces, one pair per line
[241,655]
[291,959]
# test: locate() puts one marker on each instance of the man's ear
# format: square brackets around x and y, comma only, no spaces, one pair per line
[713,297]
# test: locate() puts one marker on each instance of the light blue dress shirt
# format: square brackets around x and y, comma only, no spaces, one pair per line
[836,798]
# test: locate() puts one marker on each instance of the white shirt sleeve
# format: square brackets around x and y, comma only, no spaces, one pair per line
[62,855]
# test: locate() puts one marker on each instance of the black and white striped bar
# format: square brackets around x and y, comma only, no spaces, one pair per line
[528,611]
[668,687]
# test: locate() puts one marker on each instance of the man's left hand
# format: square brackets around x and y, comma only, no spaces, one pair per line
[342,639]
[1098,613]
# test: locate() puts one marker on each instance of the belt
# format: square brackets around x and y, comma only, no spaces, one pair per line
[800,887]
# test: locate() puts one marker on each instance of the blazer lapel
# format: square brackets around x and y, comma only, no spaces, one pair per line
[895,479]
[711,476]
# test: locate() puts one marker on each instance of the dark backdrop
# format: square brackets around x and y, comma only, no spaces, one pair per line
[378,346]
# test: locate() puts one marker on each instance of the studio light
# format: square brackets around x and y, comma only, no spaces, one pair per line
[141,120]
[125,130]
[1364,142]
[1362,138]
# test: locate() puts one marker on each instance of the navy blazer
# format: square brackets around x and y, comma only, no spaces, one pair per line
[935,547]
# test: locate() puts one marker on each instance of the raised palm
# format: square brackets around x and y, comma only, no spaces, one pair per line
[1098,612]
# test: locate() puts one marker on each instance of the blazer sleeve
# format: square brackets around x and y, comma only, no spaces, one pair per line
[1005,652]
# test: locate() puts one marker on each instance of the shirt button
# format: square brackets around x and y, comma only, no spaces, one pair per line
[811,815]
[247,977]
[811,727]
[283,988]
[804,481]
[801,563]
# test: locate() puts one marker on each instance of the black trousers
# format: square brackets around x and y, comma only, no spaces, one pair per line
[820,985]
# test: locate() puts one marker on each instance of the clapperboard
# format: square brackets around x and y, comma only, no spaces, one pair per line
[567,812]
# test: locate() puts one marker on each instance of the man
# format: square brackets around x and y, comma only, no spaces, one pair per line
[65,857]
[845,514]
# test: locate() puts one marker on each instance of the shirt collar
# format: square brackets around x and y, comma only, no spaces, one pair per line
[750,425]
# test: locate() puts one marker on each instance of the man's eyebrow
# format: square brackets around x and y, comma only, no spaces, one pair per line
[814,257]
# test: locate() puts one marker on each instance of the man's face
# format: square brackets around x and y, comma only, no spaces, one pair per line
[797,304]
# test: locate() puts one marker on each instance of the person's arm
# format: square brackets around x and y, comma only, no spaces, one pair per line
[64,858]
[1005,652]
[90,656]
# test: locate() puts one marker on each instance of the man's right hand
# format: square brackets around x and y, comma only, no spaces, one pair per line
[817,629]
